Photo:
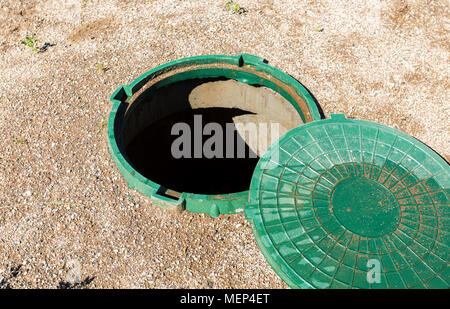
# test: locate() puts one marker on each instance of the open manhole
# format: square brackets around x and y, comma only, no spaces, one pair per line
[189,133]
[335,203]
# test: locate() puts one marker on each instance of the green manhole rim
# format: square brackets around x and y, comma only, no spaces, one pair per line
[278,261]
[201,203]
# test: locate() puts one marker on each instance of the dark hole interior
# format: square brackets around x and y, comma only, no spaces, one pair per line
[149,150]
[150,153]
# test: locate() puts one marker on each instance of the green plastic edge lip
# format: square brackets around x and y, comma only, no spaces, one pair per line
[213,205]
[284,270]
[269,253]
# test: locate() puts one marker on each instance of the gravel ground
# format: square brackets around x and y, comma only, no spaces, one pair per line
[67,218]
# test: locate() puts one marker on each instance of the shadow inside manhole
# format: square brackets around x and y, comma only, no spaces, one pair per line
[203,135]
[151,154]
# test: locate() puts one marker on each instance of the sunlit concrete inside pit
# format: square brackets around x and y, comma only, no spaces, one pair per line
[150,131]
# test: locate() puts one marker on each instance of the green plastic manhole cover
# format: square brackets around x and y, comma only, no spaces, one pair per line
[343,203]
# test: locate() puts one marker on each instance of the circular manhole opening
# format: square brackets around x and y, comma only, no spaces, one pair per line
[190,133]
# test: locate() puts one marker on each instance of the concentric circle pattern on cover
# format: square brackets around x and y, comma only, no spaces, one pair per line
[343,203]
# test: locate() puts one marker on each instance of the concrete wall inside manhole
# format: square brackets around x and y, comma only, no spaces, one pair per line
[148,141]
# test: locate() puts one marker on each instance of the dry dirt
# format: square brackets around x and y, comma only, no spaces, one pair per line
[66,214]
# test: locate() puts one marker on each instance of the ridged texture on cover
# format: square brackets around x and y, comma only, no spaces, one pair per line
[336,200]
